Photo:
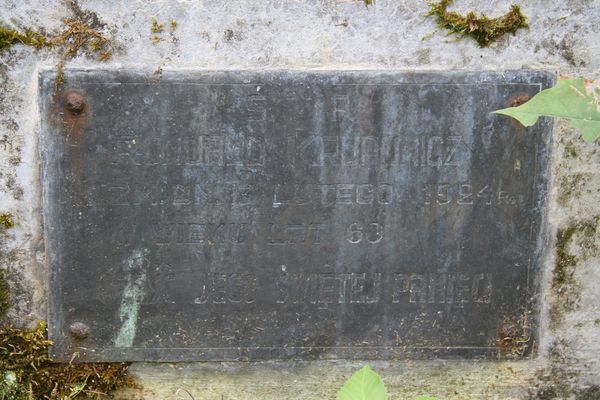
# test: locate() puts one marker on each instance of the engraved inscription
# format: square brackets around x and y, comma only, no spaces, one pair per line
[203,150]
[457,289]
[360,150]
[329,288]
[202,232]
[442,194]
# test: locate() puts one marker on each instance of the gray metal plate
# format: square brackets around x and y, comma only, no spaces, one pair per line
[269,215]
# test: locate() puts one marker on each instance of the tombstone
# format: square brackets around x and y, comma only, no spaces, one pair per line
[292,215]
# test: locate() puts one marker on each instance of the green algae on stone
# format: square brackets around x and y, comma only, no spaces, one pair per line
[9,37]
[481,28]
[26,373]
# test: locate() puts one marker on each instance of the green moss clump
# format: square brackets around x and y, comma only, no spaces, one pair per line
[481,28]
[8,37]
[155,27]
[27,374]
[6,220]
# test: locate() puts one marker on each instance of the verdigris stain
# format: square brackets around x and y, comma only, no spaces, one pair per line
[133,295]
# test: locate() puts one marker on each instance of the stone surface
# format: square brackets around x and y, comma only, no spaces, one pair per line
[564,36]
[269,215]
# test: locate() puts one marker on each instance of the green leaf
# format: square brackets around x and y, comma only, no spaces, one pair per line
[568,99]
[363,385]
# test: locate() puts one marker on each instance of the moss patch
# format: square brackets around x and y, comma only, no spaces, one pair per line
[79,37]
[8,37]
[27,374]
[4,295]
[156,29]
[483,29]
[570,187]
[570,151]
[591,393]
[564,259]
[6,220]
[563,281]
[556,380]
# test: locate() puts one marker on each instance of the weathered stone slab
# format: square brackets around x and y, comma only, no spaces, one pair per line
[268,215]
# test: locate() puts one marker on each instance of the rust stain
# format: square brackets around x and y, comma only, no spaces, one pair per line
[518,100]
[71,112]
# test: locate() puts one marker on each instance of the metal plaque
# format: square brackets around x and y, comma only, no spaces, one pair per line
[252,215]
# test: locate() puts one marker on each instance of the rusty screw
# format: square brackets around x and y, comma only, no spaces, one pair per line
[74,102]
[79,330]
[519,99]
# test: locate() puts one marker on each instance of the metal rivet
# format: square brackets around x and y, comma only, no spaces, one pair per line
[74,102]
[79,330]
[519,99]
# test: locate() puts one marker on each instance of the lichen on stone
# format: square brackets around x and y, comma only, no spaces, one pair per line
[483,29]
[26,373]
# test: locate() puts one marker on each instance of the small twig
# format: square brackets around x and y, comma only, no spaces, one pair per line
[183,390]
